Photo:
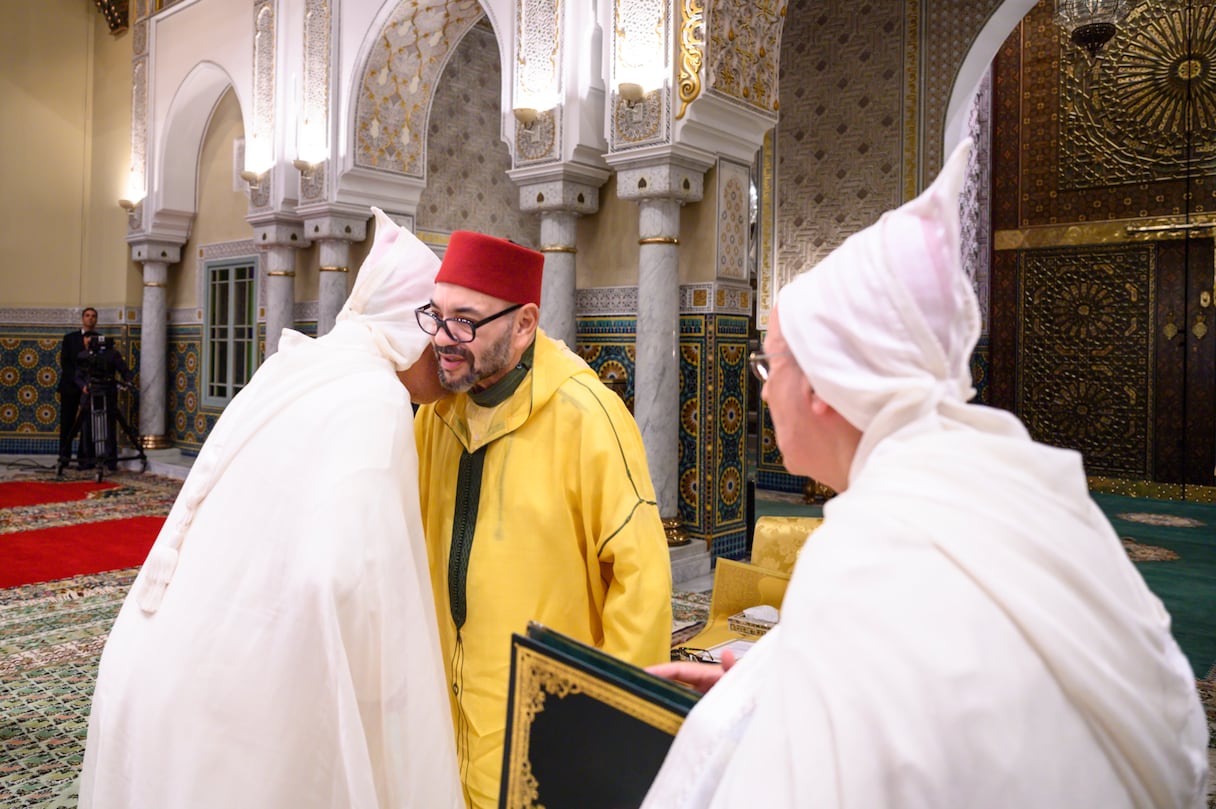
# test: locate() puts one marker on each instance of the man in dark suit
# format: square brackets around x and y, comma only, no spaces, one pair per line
[69,392]
[95,370]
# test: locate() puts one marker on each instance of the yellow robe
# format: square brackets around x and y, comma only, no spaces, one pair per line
[567,533]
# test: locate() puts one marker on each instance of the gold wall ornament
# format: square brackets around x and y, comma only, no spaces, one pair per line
[692,52]
[1170,330]
[1200,329]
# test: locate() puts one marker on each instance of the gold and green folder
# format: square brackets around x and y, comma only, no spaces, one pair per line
[584,729]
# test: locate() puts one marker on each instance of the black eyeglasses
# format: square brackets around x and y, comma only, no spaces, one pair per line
[691,655]
[759,363]
[460,329]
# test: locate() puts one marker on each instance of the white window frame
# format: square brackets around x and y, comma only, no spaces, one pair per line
[224,334]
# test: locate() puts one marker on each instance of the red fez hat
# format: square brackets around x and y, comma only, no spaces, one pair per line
[494,266]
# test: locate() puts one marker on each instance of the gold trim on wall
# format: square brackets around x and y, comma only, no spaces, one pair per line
[692,52]
[281,274]
[557,248]
[1114,231]
[333,269]
[659,240]
[1186,492]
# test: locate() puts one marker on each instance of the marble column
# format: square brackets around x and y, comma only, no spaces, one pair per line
[335,255]
[156,255]
[557,294]
[280,293]
[153,355]
[333,228]
[660,181]
[657,389]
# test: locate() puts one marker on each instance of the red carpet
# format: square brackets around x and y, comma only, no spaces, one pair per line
[73,550]
[35,493]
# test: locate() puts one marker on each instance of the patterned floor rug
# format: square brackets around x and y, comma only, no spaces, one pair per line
[51,636]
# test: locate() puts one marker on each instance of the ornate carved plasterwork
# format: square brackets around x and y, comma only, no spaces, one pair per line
[399,78]
[314,120]
[976,216]
[538,82]
[139,38]
[766,249]
[536,142]
[722,298]
[638,122]
[467,187]
[259,137]
[1131,118]
[139,130]
[734,194]
[640,48]
[941,33]
[744,45]
[692,52]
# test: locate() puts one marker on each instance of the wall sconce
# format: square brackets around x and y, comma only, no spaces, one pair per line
[526,116]
[632,92]
[307,169]
[127,205]
[253,178]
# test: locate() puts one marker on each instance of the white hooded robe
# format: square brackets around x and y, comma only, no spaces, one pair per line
[279,647]
[965,629]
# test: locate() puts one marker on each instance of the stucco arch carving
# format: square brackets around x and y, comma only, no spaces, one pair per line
[175,197]
[400,63]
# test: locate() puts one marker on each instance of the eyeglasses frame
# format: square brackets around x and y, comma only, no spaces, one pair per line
[442,322]
[757,361]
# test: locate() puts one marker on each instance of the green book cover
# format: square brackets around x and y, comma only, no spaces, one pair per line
[584,729]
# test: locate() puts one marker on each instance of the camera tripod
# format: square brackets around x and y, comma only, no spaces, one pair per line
[94,406]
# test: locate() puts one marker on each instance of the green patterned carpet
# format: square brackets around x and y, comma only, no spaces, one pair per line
[51,634]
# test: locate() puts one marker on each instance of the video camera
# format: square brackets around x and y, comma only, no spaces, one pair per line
[95,343]
[98,371]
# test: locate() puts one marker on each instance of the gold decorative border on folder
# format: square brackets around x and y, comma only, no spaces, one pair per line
[538,676]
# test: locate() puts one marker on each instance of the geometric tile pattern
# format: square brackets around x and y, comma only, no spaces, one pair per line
[189,419]
[713,414]
[29,384]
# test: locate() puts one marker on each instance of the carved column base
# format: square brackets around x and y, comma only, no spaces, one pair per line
[675,532]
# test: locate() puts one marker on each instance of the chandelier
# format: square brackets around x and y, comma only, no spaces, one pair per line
[1090,24]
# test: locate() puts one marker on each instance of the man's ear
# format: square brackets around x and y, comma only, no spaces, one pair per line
[526,322]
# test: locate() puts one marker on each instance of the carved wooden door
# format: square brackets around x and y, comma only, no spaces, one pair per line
[1185,385]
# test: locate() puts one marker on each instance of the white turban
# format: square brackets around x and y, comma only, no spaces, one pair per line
[884,326]
[396,278]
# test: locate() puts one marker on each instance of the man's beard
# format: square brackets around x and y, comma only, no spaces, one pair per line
[495,360]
